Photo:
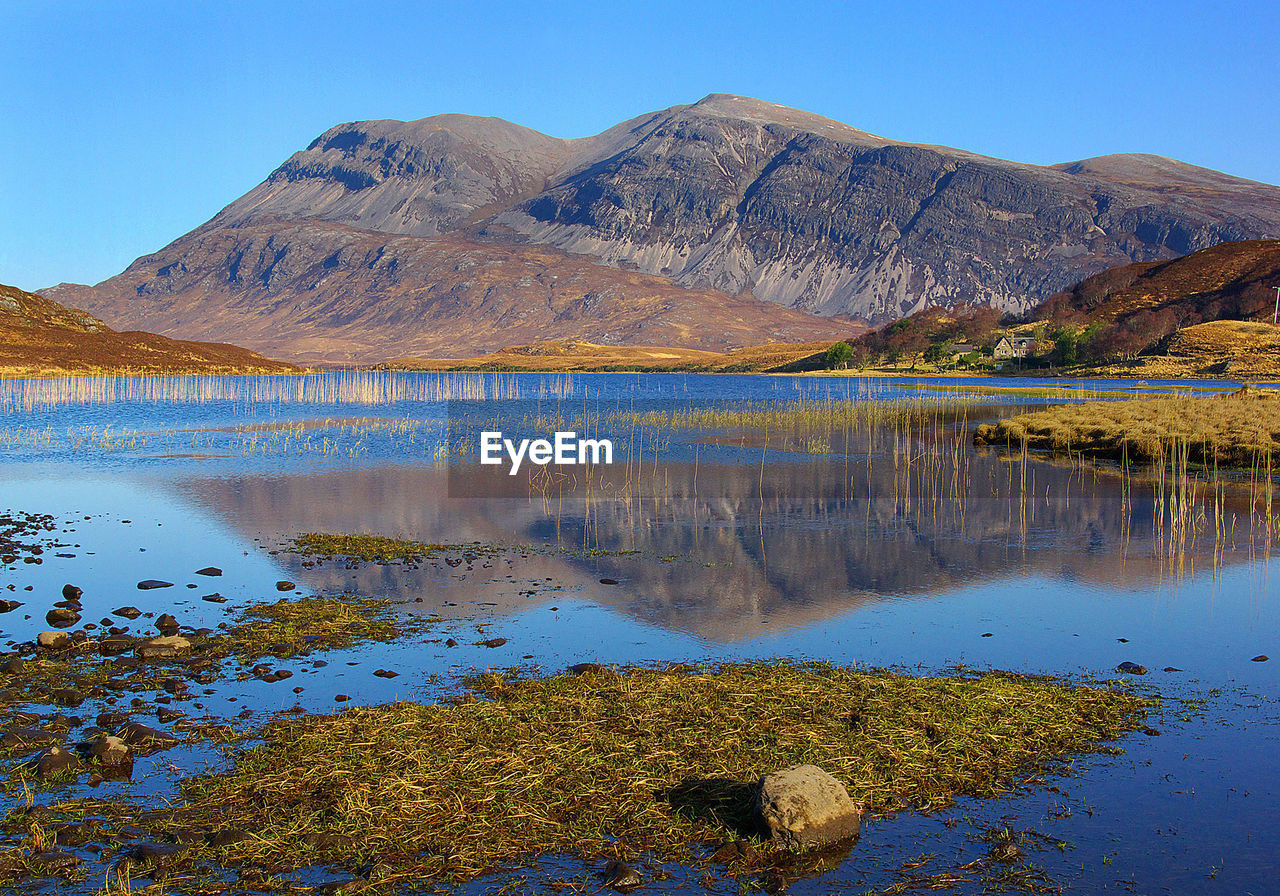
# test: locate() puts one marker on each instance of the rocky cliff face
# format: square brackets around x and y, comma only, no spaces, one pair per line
[740,195]
[726,197]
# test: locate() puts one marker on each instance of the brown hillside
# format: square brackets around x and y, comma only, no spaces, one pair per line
[1230,281]
[39,337]
[322,292]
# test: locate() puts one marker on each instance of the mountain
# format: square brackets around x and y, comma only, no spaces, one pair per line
[40,337]
[455,235]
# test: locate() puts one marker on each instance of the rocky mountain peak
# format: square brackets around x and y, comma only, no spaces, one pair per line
[725,196]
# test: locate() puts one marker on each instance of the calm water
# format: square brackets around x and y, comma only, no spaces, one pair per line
[877,543]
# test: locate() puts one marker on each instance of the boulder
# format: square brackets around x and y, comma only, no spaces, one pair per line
[56,760]
[62,617]
[136,734]
[52,860]
[71,592]
[66,697]
[28,737]
[162,648]
[1131,668]
[167,624]
[803,807]
[53,640]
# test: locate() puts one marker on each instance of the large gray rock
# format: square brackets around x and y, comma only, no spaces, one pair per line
[803,807]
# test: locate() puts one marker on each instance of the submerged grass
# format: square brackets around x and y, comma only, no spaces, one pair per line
[283,629]
[297,625]
[378,548]
[1237,430]
[607,762]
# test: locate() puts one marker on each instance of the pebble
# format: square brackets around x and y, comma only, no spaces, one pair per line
[1260,658]
[71,592]
[111,751]
[127,612]
[621,876]
[209,571]
[386,673]
[285,586]
[152,584]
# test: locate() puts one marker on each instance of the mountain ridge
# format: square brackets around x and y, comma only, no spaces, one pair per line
[728,196]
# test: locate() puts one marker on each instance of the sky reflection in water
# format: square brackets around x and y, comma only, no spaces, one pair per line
[853,556]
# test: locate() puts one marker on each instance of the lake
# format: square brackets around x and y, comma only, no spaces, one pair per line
[882,539]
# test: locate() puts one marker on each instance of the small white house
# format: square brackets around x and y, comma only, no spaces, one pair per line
[1014,347]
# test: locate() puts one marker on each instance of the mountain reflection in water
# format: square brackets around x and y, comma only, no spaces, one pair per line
[720,550]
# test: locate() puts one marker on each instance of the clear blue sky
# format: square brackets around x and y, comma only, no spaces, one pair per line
[125,124]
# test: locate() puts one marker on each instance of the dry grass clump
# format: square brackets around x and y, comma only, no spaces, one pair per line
[653,760]
[818,412]
[1238,430]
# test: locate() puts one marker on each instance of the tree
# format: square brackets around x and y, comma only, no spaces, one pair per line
[838,356]
[938,351]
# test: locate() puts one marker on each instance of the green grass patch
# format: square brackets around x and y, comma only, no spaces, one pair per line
[614,763]
[298,625]
[379,548]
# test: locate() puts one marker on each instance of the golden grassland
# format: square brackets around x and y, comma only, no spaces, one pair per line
[580,355]
[1218,349]
[610,762]
[1237,430]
